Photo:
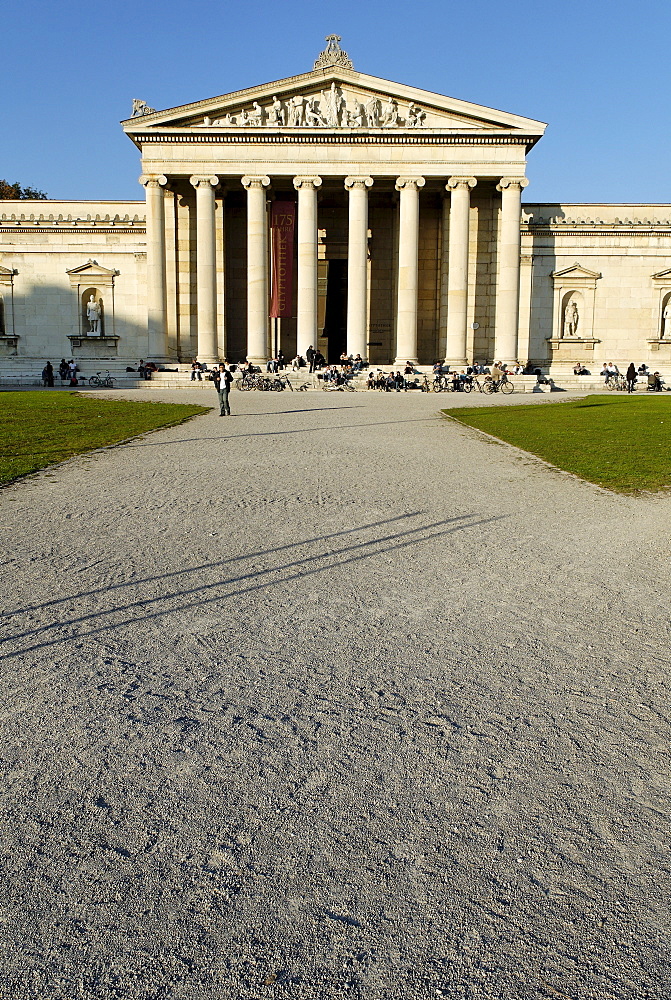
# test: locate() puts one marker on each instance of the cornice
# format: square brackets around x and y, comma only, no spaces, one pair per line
[72,229]
[318,138]
[658,229]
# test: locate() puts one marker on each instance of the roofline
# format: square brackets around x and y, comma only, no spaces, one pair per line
[338,72]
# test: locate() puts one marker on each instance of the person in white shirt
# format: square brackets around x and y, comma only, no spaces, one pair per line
[222,383]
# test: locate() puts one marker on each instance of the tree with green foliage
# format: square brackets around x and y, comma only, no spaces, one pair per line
[15,192]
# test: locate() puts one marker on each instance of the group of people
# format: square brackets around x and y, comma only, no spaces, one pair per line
[389,382]
[67,372]
[633,375]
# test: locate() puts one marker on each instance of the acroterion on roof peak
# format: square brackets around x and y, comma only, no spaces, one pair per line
[333,55]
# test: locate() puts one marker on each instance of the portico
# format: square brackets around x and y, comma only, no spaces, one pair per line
[417,193]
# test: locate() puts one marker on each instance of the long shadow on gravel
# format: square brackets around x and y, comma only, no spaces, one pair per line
[221,562]
[230,588]
[298,430]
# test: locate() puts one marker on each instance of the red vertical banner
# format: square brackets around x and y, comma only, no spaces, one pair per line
[282,225]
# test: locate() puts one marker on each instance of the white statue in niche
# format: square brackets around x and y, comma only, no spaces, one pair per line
[390,114]
[93,314]
[666,322]
[571,319]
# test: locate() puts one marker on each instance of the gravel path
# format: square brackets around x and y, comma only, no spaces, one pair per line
[332,698]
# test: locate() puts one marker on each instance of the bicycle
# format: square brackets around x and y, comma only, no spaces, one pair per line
[105,381]
[248,382]
[498,385]
[283,382]
[339,385]
[617,382]
[472,382]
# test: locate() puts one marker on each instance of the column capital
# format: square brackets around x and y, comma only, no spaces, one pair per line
[307,182]
[255,182]
[358,182]
[153,180]
[409,182]
[510,183]
[204,180]
[455,182]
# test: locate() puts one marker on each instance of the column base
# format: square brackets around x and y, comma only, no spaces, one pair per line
[209,359]
[257,361]
[405,360]
[455,361]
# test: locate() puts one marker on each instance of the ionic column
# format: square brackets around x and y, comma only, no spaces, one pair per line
[508,290]
[357,265]
[306,306]
[257,269]
[457,263]
[408,248]
[157,318]
[206,268]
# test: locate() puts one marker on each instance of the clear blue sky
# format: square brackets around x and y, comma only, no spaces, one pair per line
[597,72]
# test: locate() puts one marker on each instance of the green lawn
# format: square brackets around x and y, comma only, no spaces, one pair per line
[40,428]
[620,442]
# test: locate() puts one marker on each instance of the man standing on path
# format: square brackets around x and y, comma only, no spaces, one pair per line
[222,383]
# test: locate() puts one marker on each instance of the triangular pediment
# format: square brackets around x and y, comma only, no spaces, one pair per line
[662,275]
[576,271]
[334,98]
[92,269]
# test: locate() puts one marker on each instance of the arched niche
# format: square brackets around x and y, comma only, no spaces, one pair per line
[665,317]
[94,332]
[93,312]
[9,340]
[573,286]
[572,314]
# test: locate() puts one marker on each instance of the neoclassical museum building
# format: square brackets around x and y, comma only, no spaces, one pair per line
[342,211]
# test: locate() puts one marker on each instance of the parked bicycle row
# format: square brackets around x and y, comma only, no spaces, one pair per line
[450,382]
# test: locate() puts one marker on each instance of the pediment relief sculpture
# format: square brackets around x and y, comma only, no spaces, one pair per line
[334,108]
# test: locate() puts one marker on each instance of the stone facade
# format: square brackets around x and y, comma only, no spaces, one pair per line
[53,257]
[411,241]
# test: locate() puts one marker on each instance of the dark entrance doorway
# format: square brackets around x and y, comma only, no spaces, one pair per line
[335,317]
